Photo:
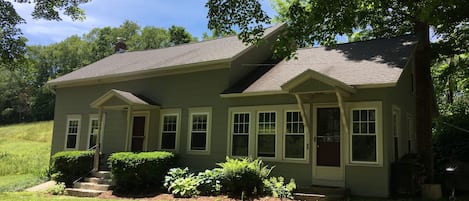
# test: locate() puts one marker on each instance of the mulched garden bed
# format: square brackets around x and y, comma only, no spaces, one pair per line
[170,197]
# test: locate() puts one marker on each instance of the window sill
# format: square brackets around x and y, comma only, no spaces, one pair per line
[198,152]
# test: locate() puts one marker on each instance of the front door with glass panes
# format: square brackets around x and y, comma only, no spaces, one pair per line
[327,152]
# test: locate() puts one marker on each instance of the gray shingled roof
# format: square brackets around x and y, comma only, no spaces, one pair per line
[373,62]
[127,63]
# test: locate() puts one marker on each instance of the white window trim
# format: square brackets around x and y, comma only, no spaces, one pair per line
[194,111]
[377,106]
[396,111]
[280,132]
[306,139]
[276,134]
[73,117]
[170,112]
[91,118]
[231,133]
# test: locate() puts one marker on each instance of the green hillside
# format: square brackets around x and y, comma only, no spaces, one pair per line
[24,154]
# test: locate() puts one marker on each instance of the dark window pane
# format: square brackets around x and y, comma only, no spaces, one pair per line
[92,140]
[371,114]
[71,141]
[371,128]
[240,145]
[198,141]
[363,128]
[364,148]
[356,127]
[266,145]
[168,141]
[294,146]
[364,115]
[356,115]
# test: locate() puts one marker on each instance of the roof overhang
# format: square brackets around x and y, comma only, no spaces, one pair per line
[124,99]
[322,79]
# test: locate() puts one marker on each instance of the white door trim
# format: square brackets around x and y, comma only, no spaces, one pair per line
[324,175]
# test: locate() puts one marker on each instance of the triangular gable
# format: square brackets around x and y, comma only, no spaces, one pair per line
[116,98]
[312,81]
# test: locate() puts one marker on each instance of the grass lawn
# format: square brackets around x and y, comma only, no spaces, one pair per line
[34,196]
[24,154]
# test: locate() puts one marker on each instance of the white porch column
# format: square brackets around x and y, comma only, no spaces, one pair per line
[98,140]
[129,128]
[343,113]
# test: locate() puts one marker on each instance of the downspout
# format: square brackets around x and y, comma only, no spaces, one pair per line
[98,140]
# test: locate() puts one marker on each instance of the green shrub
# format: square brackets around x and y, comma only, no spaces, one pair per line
[67,166]
[142,171]
[181,183]
[174,174]
[57,189]
[210,182]
[244,176]
[185,187]
[276,187]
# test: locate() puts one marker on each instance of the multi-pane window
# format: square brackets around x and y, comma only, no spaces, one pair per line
[364,138]
[94,127]
[73,129]
[294,136]
[199,133]
[266,134]
[169,131]
[240,140]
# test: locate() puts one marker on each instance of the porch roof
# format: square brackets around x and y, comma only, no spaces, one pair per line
[117,99]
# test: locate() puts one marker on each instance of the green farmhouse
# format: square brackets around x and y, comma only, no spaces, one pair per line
[332,117]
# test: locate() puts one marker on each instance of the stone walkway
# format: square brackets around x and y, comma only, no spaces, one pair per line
[41,187]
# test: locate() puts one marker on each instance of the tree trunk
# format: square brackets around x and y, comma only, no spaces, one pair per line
[424,97]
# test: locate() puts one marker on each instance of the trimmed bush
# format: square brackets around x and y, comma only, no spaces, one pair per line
[137,172]
[244,176]
[67,166]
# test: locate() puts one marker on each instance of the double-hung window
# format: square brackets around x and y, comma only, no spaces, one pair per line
[294,136]
[240,134]
[199,136]
[169,129]
[168,134]
[364,136]
[266,134]
[72,132]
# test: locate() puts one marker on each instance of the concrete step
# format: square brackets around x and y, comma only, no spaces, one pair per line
[102,174]
[82,192]
[91,186]
[320,193]
[98,180]
[309,197]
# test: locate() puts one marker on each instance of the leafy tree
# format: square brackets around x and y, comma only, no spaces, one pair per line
[152,38]
[11,42]
[316,21]
[178,35]
[217,34]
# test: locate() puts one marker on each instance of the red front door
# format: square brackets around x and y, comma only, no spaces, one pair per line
[328,137]
[138,134]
